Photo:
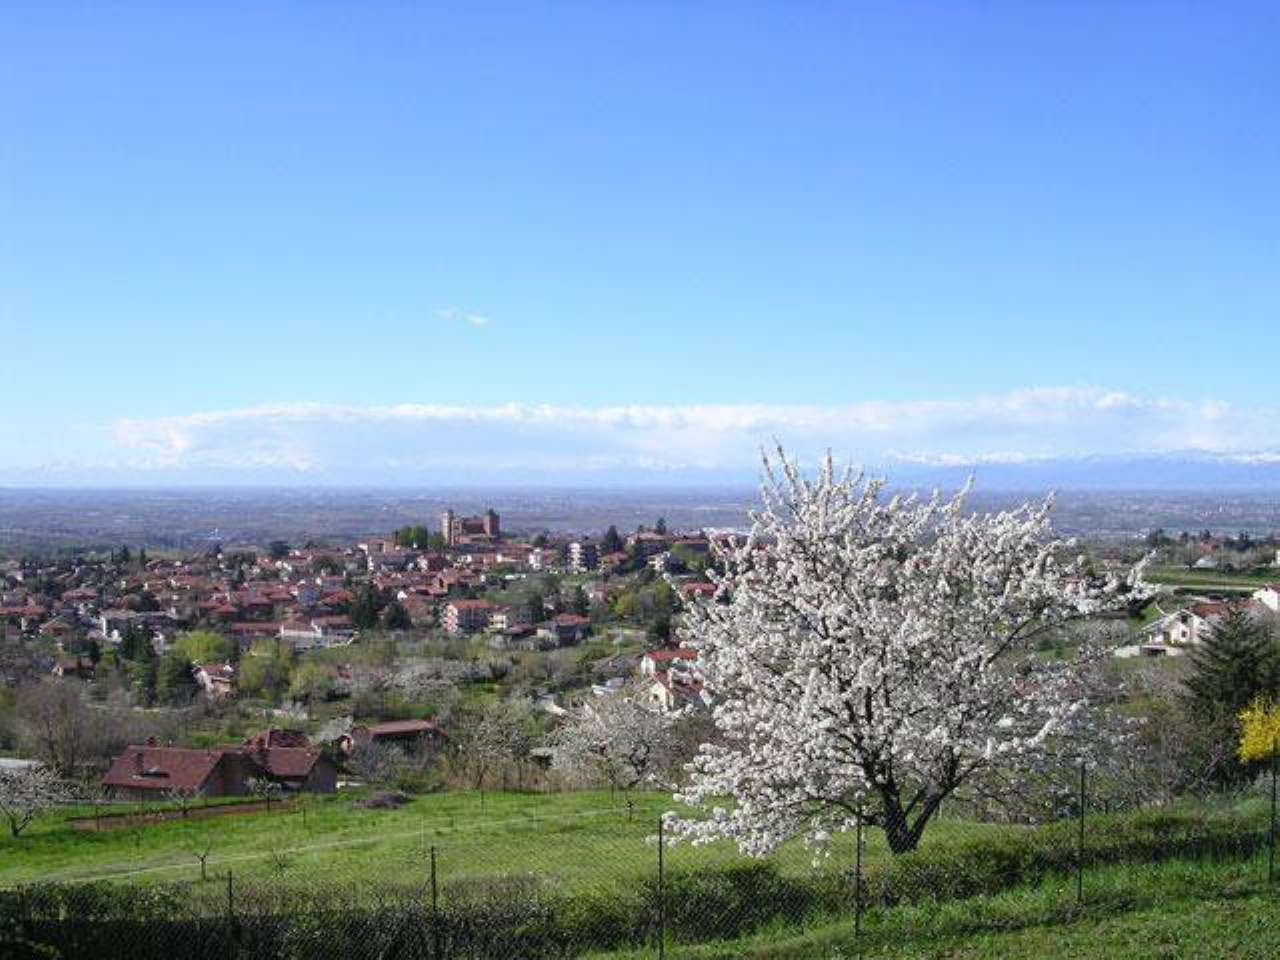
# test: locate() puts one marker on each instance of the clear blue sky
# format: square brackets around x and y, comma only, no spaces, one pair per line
[210,207]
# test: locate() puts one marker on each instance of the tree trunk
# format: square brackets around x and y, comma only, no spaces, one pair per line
[902,834]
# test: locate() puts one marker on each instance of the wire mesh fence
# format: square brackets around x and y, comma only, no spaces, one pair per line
[522,882]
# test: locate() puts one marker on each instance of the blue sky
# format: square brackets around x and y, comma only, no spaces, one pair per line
[325,241]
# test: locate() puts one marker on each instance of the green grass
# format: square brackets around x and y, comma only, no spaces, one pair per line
[581,840]
[1209,579]
[1003,890]
[1171,910]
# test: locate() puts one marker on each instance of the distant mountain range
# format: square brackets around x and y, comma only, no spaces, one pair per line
[1190,471]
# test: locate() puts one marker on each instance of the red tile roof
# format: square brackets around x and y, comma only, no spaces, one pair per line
[164,768]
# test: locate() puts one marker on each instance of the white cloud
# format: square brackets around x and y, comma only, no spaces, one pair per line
[521,440]
[452,315]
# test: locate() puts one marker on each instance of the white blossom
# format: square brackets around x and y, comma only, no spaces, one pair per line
[28,791]
[870,654]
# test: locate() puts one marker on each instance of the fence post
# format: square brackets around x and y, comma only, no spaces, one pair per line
[1080,838]
[857,876]
[1271,841]
[231,904]
[662,893]
[435,910]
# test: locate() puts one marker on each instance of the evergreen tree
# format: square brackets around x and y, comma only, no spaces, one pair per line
[533,608]
[395,617]
[365,607]
[1237,661]
[175,685]
[143,674]
[135,645]
[612,542]
[581,603]
[661,526]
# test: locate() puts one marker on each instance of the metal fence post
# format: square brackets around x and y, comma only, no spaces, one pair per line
[662,893]
[435,910]
[857,876]
[1080,838]
[1271,840]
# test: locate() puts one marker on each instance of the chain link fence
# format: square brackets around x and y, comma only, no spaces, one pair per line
[533,885]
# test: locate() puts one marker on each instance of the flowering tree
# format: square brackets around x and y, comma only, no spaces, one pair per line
[1260,731]
[502,735]
[615,739]
[873,655]
[26,792]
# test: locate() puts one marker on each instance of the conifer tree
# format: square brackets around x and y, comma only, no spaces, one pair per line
[1238,661]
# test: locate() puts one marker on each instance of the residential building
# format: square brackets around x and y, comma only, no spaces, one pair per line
[150,771]
[584,556]
[1269,597]
[405,734]
[467,616]
[216,680]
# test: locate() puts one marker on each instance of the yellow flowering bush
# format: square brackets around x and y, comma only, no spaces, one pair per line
[1259,731]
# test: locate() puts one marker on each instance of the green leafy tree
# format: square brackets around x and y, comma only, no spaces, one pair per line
[581,603]
[277,550]
[416,536]
[206,646]
[311,682]
[265,671]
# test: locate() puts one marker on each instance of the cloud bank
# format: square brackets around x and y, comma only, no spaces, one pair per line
[521,442]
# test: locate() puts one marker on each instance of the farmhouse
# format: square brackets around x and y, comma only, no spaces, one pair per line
[150,771]
[281,756]
[1189,626]
[407,734]
[216,680]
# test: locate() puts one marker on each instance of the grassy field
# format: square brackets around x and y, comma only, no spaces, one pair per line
[1010,891]
[1209,579]
[583,839]
[1178,909]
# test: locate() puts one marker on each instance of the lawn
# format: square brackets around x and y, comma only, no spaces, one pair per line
[583,865]
[581,840]
[1209,579]
[1151,912]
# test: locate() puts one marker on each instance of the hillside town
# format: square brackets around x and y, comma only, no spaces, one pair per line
[390,640]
